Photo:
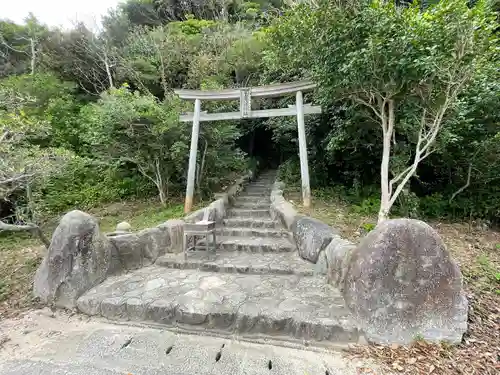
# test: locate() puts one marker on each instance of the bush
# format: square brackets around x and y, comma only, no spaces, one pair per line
[84,184]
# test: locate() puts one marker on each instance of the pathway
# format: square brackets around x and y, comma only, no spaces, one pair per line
[255,285]
[45,343]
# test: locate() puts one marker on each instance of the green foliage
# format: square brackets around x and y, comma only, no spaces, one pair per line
[487,273]
[368,227]
[192,26]
[64,107]
[141,217]
[289,172]
[127,127]
[368,206]
[428,63]
[84,184]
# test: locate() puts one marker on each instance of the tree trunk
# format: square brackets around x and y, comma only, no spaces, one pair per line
[163,196]
[33,228]
[33,56]
[387,114]
[108,71]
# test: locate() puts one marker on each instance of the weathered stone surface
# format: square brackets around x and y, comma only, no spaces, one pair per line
[218,209]
[321,266]
[175,231]
[195,216]
[128,249]
[78,258]
[300,307]
[240,262]
[154,242]
[101,348]
[402,283]
[281,209]
[337,254]
[123,227]
[311,236]
[135,250]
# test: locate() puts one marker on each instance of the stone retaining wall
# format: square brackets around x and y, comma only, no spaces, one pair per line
[80,256]
[399,283]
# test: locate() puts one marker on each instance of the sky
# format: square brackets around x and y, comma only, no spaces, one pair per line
[56,12]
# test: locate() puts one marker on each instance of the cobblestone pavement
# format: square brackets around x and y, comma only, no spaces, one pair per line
[301,307]
[236,262]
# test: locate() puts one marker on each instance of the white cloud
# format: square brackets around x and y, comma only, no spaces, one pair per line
[57,12]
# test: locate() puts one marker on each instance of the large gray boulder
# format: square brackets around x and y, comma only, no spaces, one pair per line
[402,284]
[311,237]
[79,257]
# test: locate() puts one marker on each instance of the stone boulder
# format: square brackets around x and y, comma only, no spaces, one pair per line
[401,284]
[311,237]
[123,227]
[79,257]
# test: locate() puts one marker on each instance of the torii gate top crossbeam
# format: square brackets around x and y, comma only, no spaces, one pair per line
[245,96]
[256,92]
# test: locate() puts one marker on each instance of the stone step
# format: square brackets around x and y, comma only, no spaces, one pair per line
[251,244]
[277,306]
[241,212]
[262,183]
[253,232]
[251,223]
[253,199]
[239,262]
[259,187]
[263,192]
[255,194]
[249,205]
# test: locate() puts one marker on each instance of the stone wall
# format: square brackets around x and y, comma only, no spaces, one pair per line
[399,283]
[81,256]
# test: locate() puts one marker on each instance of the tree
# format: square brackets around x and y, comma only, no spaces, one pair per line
[404,65]
[21,164]
[18,43]
[127,127]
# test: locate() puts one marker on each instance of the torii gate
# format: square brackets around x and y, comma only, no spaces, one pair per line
[245,95]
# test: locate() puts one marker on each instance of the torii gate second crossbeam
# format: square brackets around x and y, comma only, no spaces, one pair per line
[245,95]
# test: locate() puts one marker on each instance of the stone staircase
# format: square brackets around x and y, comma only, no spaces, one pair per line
[255,284]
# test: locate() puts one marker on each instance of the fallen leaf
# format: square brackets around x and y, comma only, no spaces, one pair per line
[431,368]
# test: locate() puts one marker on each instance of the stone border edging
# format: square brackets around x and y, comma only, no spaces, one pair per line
[374,276]
[217,209]
[331,251]
[282,209]
[134,250]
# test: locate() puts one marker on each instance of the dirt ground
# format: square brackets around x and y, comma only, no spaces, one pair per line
[477,251]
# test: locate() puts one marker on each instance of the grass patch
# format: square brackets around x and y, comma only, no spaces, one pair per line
[139,214]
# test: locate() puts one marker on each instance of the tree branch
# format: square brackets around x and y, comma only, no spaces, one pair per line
[33,228]
[463,187]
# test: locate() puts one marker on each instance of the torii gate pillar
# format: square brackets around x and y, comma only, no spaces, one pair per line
[245,95]
[304,167]
[188,204]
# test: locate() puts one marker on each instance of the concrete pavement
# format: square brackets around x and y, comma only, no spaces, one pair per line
[43,342]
